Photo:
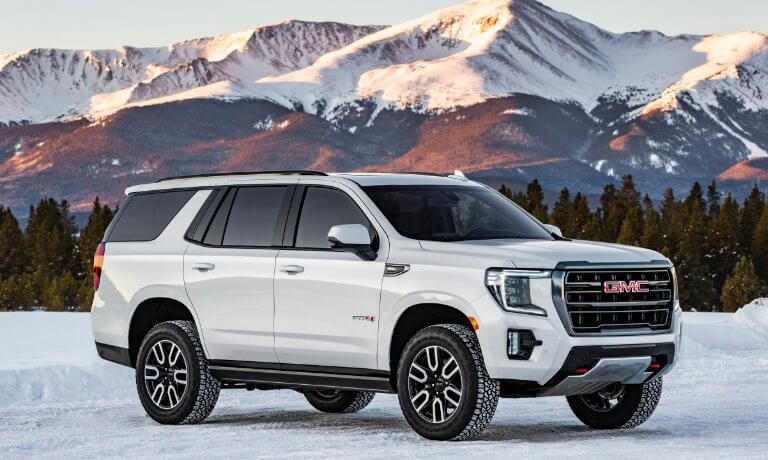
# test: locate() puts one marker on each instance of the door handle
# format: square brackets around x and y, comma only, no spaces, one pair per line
[291,269]
[203,267]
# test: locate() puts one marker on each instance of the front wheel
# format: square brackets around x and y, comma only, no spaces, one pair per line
[617,405]
[444,389]
[172,375]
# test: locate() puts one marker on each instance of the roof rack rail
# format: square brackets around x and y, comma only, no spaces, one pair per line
[247,173]
[421,173]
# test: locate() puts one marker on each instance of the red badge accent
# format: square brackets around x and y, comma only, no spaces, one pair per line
[617,287]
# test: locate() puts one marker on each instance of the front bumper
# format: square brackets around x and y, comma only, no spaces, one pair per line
[551,361]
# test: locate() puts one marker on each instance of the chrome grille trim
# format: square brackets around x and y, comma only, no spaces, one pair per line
[614,314]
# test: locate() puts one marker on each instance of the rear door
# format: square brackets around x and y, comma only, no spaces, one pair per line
[228,271]
[326,302]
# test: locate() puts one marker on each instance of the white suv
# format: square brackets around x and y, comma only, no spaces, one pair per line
[339,286]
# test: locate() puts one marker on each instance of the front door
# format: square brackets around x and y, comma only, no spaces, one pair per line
[326,302]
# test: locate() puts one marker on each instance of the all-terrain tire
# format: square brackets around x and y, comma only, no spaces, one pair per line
[635,407]
[202,388]
[479,392]
[339,401]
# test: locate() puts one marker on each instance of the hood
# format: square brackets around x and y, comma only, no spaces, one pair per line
[541,254]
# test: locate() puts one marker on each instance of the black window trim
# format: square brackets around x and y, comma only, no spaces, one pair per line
[292,226]
[209,206]
[223,193]
[124,205]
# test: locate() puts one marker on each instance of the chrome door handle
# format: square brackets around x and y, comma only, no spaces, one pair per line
[291,269]
[203,267]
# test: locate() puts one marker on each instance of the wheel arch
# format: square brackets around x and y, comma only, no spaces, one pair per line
[415,318]
[151,312]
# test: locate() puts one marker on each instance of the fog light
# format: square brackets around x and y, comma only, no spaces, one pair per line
[520,344]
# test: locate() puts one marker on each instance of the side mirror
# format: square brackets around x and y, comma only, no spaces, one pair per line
[554,229]
[352,238]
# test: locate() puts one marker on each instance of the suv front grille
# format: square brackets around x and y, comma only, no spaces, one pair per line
[593,310]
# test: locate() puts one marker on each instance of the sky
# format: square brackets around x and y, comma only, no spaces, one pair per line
[108,23]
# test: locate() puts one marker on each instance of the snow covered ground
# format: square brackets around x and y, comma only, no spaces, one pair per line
[57,399]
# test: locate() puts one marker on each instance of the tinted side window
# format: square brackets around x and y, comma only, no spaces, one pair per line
[215,232]
[322,209]
[254,216]
[145,216]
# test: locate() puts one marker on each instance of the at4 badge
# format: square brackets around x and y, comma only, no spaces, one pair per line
[369,318]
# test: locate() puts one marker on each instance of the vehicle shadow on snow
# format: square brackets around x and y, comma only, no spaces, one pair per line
[312,420]
[548,432]
[535,433]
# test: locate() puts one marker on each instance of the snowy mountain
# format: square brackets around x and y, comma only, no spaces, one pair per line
[42,85]
[506,90]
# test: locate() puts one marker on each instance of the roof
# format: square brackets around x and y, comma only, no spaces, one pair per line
[362,179]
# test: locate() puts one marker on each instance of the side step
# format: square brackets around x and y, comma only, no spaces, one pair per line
[296,377]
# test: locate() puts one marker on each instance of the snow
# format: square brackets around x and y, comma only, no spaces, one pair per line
[41,85]
[57,399]
[525,112]
[454,57]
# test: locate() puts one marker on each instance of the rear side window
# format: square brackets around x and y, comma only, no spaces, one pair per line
[145,216]
[322,209]
[255,216]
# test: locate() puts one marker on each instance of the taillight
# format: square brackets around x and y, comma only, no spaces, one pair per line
[98,263]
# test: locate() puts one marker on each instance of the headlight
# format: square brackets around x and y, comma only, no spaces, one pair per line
[512,289]
[676,292]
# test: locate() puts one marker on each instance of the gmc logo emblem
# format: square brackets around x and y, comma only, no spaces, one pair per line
[617,287]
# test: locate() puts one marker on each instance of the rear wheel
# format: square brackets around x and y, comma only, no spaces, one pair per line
[339,401]
[617,405]
[444,389]
[172,376]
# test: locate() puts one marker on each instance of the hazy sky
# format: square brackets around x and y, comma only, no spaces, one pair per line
[108,23]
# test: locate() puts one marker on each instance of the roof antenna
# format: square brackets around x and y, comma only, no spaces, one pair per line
[459,174]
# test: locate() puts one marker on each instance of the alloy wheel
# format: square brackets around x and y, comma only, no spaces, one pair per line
[435,385]
[165,374]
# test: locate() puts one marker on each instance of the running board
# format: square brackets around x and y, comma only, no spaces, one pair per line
[296,377]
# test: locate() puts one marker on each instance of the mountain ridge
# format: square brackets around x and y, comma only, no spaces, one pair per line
[507,91]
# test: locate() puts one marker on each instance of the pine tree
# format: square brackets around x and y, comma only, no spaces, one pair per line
[668,211]
[9,294]
[697,288]
[50,236]
[504,190]
[90,237]
[581,226]
[713,199]
[51,246]
[534,201]
[652,237]
[12,253]
[725,241]
[742,287]
[750,214]
[561,212]
[608,226]
[760,246]
[61,293]
[627,234]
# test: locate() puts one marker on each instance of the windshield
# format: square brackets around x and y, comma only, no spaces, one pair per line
[454,213]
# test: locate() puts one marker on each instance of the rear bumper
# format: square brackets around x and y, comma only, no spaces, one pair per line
[115,354]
